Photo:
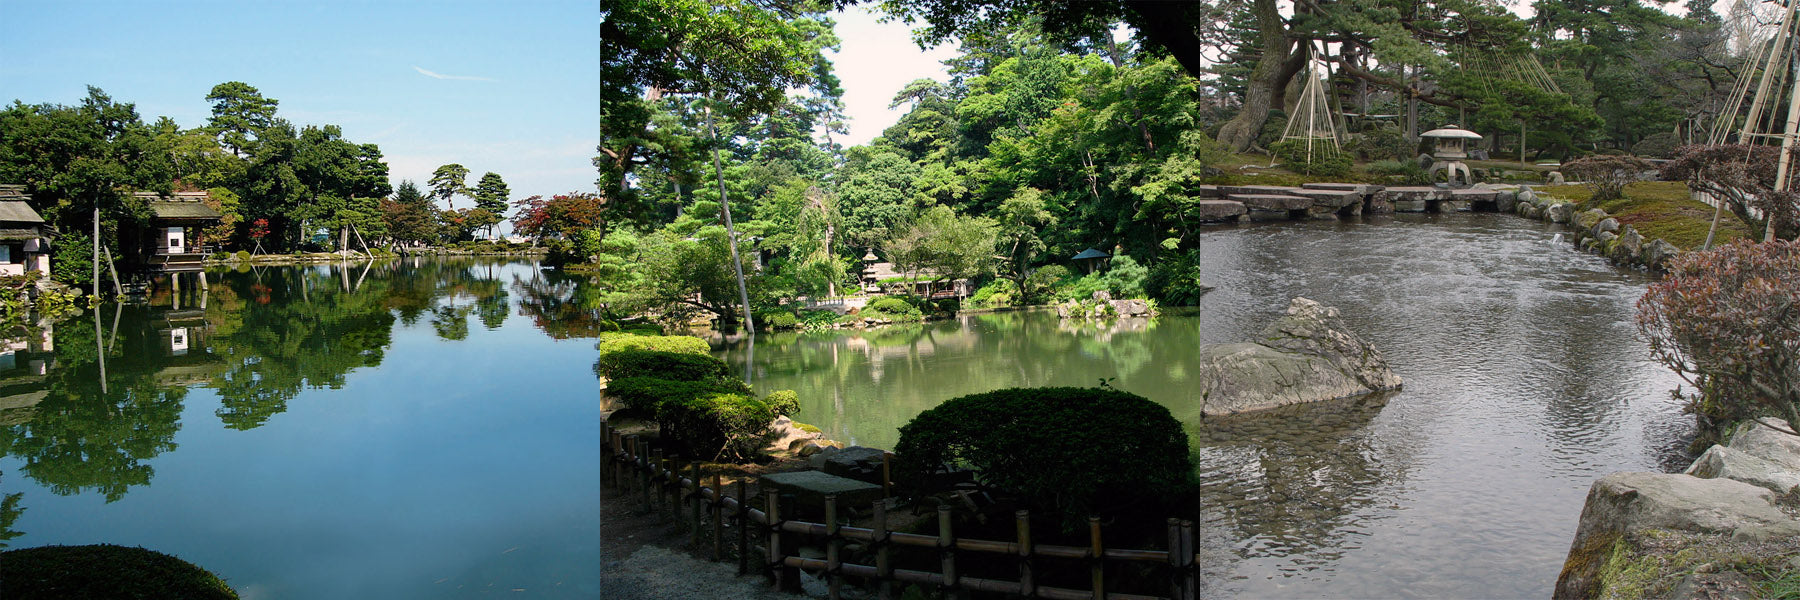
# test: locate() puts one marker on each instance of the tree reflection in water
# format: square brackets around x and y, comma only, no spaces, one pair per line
[108,397]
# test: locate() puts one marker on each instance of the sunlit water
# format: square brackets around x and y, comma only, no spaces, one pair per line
[413,430]
[1524,382]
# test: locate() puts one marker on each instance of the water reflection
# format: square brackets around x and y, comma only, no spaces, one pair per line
[86,408]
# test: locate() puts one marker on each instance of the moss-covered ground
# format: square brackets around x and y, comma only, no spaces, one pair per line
[1660,209]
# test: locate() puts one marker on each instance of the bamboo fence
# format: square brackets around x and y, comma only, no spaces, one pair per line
[675,489]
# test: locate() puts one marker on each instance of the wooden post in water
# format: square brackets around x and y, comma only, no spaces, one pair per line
[1022,522]
[1098,568]
[884,571]
[947,546]
[832,580]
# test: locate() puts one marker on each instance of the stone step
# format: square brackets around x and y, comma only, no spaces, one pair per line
[1217,210]
[1229,190]
[1331,198]
[1360,188]
[1414,192]
[1474,195]
[1272,202]
[1207,191]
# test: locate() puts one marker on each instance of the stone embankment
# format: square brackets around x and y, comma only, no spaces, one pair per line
[1681,535]
[1236,203]
[1593,229]
[1308,355]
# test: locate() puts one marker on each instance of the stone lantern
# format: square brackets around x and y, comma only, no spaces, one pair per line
[1452,148]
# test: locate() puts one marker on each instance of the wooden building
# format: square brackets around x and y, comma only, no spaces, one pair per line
[166,246]
[24,245]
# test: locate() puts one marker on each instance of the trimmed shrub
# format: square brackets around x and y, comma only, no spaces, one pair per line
[1379,144]
[1658,145]
[995,294]
[615,341]
[1070,451]
[673,366]
[892,308]
[812,320]
[772,321]
[1607,176]
[105,571]
[783,402]
[1399,171]
[649,393]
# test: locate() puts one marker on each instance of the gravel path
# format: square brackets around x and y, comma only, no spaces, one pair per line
[641,558]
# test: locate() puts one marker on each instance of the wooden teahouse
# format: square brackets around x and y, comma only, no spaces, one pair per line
[165,247]
[23,244]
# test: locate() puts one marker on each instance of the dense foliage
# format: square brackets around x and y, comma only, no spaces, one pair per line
[1728,321]
[1070,452]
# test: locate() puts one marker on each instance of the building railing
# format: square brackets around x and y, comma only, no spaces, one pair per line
[637,470]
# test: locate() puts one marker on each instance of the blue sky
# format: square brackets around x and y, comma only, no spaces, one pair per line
[515,91]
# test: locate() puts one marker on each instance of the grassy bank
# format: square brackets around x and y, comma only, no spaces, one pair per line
[1660,209]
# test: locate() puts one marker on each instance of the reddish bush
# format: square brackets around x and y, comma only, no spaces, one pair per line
[1726,320]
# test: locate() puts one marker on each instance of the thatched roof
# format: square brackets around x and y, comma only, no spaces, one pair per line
[182,207]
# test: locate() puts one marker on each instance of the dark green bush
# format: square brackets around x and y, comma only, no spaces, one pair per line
[1041,284]
[1176,282]
[1399,171]
[817,319]
[783,402]
[1324,160]
[1378,143]
[1069,451]
[719,418]
[105,571]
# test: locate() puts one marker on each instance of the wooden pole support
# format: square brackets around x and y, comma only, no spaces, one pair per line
[884,570]
[718,521]
[832,580]
[887,480]
[1098,555]
[773,560]
[696,504]
[946,544]
[1176,579]
[1022,521]
[743,528]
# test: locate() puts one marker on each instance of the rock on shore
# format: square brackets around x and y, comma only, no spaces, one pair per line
[1733,500]
[1308,355]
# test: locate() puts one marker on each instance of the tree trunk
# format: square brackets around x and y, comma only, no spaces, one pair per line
[1265,81]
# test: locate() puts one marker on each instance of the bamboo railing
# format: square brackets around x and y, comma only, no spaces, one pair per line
[670,487]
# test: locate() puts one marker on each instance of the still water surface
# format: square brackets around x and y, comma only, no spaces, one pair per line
[413,430]
[1524,382]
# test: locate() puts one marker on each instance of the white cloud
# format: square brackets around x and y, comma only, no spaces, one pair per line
[434,75]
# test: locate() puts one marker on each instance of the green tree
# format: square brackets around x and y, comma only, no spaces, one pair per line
[491,195]
[447,183]
[408,215]
[239,115]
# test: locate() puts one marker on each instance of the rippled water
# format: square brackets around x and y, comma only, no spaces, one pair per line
[1524,382]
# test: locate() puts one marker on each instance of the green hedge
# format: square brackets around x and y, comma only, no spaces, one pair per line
[678,366]
[1069,451]
[104,571]
[892,308]
[649,393]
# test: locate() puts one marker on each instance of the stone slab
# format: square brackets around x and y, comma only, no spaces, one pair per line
[1415,192]
[1409,205]
[1230,190]
[1217,210]
[810,488]
[1474,195]
[1207,191]
[1276,202]
[1331,198]
[1360,188]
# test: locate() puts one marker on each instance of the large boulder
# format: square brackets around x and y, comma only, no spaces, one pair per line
[1308,355]
[1658,252]
[1561,213]
[1622,505]
[1131,308]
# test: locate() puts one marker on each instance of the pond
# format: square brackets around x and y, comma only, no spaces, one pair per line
[1524,382]
[402,430]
